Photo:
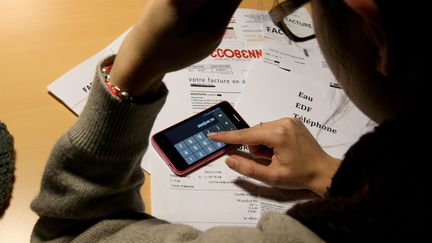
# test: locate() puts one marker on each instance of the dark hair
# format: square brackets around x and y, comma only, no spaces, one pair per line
[6,167]
[406,24]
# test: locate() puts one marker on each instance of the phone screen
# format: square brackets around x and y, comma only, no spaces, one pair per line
[185,145]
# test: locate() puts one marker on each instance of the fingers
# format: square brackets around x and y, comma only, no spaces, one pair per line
[243,136]
[257,135]
[259,151]
[251,169]
[247,167]
[270,134]
[262,139]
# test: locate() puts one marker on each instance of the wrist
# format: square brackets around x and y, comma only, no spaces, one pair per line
[123,92]
[323,177]
[136,85]
[135,68]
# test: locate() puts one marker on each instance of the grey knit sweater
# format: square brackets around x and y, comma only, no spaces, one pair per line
[90,188]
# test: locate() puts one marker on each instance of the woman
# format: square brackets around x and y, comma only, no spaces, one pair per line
[90,189]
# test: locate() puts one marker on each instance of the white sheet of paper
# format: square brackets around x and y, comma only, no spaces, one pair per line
[273,93]
[246,26]
[73,87]
[318,65]
[287,57]
[209,88]
[212,196]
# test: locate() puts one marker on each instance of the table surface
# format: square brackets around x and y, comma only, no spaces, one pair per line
[41,40]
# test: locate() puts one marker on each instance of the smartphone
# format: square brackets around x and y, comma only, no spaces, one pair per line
[185,145]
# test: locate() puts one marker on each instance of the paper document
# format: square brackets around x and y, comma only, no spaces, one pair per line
[273,93]
[214,196]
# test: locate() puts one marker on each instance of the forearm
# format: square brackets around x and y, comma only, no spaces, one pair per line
[138,72]
[94,169]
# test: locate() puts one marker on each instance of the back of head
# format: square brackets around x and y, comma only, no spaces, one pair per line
[406,25]
[380,58]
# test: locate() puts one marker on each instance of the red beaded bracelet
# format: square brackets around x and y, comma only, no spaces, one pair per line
[115,90]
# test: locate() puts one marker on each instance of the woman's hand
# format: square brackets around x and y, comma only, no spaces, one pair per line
[170,35]
[297,161]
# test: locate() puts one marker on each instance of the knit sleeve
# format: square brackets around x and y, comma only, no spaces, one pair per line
[94,169]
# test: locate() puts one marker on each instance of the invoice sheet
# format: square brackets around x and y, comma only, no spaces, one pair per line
[318,65]
[287,57]
[273,93]
[246,26]
[210,84]
[215,195]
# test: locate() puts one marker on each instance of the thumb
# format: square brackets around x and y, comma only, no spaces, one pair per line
[249,168]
